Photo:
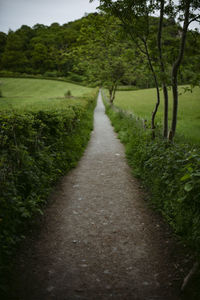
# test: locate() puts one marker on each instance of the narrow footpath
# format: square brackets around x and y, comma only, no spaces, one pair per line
[99,239]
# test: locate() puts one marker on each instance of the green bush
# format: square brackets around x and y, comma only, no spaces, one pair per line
[52,74]
[36,149]
[68,94]
[170,171]
[75,77]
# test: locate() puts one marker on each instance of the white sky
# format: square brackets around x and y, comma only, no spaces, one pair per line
[15,13]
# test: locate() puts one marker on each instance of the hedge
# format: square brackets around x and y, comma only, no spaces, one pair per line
[37,147]
[171,172]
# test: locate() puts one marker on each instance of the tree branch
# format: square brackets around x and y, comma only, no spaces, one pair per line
[197,19]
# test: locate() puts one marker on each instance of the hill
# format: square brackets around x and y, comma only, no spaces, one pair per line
[23,94]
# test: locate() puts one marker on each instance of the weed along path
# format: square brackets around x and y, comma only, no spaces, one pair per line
[99,240]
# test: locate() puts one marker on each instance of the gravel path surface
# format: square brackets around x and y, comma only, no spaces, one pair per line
[99,239]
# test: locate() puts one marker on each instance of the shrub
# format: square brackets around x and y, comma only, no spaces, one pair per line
[68,94]
[36,149]
[52,74]
[75,77]
[170,171]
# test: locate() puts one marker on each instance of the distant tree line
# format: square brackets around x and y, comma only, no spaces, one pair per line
[96,50]
[40,49]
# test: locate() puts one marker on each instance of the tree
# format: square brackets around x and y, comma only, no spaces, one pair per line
[3,38]
[102,52]
[14,57]
[134,15]
[135,19]
[190,67]
[162,67]
[40,58]
[188,11]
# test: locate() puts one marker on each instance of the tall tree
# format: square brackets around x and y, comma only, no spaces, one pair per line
[3,38]
[135,19]
[162,67]
[14,57]
[188,11]
[102,52]
[131,13]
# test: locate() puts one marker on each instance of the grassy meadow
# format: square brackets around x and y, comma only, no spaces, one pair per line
[141,103]
[33,94]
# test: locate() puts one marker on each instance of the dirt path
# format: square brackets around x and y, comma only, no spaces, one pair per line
[99,239]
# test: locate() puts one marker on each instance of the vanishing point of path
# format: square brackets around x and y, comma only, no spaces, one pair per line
[99,239]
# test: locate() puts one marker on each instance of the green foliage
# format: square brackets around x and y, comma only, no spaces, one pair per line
[138,21]
[39,49]
[68,94]
[170,171]
[163,51]
[53,50]
[75,77]
[37,147]
[103,53]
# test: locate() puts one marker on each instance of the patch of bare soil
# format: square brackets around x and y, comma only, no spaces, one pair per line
[99,239]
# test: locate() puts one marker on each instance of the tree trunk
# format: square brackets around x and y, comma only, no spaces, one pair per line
[175,69]
[157,91]
[112,92]
[162,68]
[146,52]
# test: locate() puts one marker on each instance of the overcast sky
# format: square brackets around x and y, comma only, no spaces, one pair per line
[14,13]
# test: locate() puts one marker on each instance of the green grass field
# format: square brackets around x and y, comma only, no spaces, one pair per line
[34,94]
[141,103]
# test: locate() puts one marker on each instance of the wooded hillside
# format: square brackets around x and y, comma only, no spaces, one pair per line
[80,49]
